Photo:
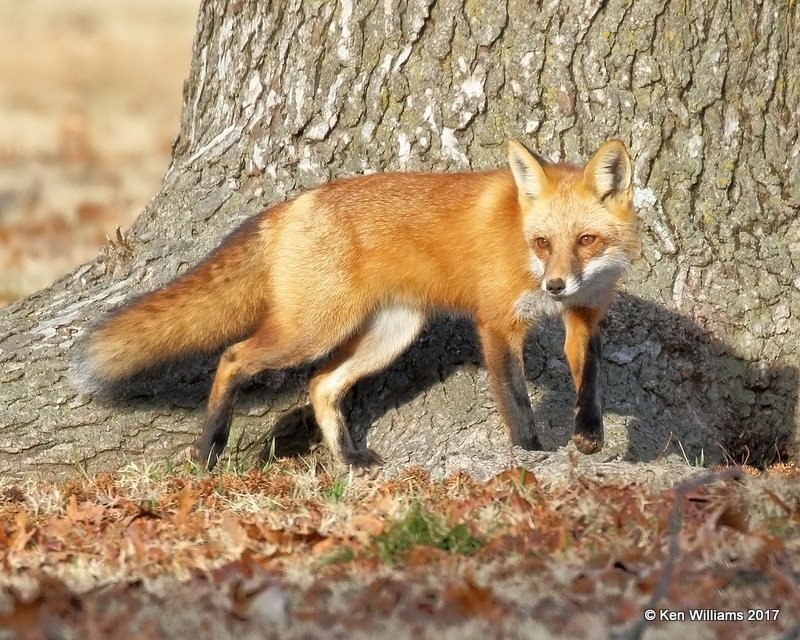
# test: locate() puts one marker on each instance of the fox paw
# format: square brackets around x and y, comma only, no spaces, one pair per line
[588,443]
[205,457]
[528,441]
[588,434]
[362,461]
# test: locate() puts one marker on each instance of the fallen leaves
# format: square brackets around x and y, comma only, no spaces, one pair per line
[576,554]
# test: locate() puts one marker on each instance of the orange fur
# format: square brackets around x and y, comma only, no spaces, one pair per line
[358,264]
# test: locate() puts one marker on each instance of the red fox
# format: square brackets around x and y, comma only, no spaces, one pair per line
[356,266]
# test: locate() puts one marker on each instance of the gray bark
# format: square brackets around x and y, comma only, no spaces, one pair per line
[701,353]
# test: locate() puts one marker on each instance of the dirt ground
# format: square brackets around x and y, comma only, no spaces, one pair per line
[90,100]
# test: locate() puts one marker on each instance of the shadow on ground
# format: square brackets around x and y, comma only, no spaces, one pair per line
[670,385]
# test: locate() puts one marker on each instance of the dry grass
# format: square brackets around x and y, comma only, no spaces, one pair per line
[89,105]
[608,548]
[580,517]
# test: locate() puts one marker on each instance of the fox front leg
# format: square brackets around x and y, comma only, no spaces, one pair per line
[583,346]
[504,364]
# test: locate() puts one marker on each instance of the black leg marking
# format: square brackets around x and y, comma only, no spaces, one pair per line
[216,429]
[360,459]
[588,435]
[507,379]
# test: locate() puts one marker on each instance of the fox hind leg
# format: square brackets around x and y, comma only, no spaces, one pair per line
[265,349]
[387,334]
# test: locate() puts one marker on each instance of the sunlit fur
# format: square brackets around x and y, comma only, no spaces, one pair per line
[567,206]
[340,265]
[561,207]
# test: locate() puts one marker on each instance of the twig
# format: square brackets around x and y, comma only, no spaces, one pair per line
[664,449]
[635,631]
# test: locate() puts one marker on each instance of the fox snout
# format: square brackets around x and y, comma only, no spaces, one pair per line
[563,285]
[555,286]
[578,281]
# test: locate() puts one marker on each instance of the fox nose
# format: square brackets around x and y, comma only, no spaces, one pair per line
[555,286]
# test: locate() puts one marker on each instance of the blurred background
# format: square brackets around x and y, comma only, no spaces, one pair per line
[90,99]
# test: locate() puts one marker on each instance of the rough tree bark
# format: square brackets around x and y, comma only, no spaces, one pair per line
[702,350]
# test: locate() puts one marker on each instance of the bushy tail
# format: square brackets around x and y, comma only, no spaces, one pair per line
[220,300]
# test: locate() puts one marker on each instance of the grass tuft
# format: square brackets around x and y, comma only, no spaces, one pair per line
[421,527]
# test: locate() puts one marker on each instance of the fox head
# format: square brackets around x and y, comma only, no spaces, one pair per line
[579,222]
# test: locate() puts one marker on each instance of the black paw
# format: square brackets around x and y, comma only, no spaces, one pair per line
[204,455]
[587,444]
[588,434]
[529,441]
[362,461]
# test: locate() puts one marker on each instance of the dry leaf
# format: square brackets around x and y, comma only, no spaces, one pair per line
[364,527]
[237,536]
[474,601]
[323,546]
[777,500]
[733,518]
[21,535]
[85,512]
[187,500]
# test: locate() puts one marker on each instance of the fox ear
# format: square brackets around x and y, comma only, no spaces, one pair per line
[528,172]
[609,172]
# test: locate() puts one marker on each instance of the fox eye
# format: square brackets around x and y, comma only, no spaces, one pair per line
[586,239]
[542,243]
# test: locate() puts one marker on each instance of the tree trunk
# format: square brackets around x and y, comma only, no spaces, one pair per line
[701,353]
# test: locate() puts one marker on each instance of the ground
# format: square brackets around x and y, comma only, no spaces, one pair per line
[298,550]
[89,105]
[90,100]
